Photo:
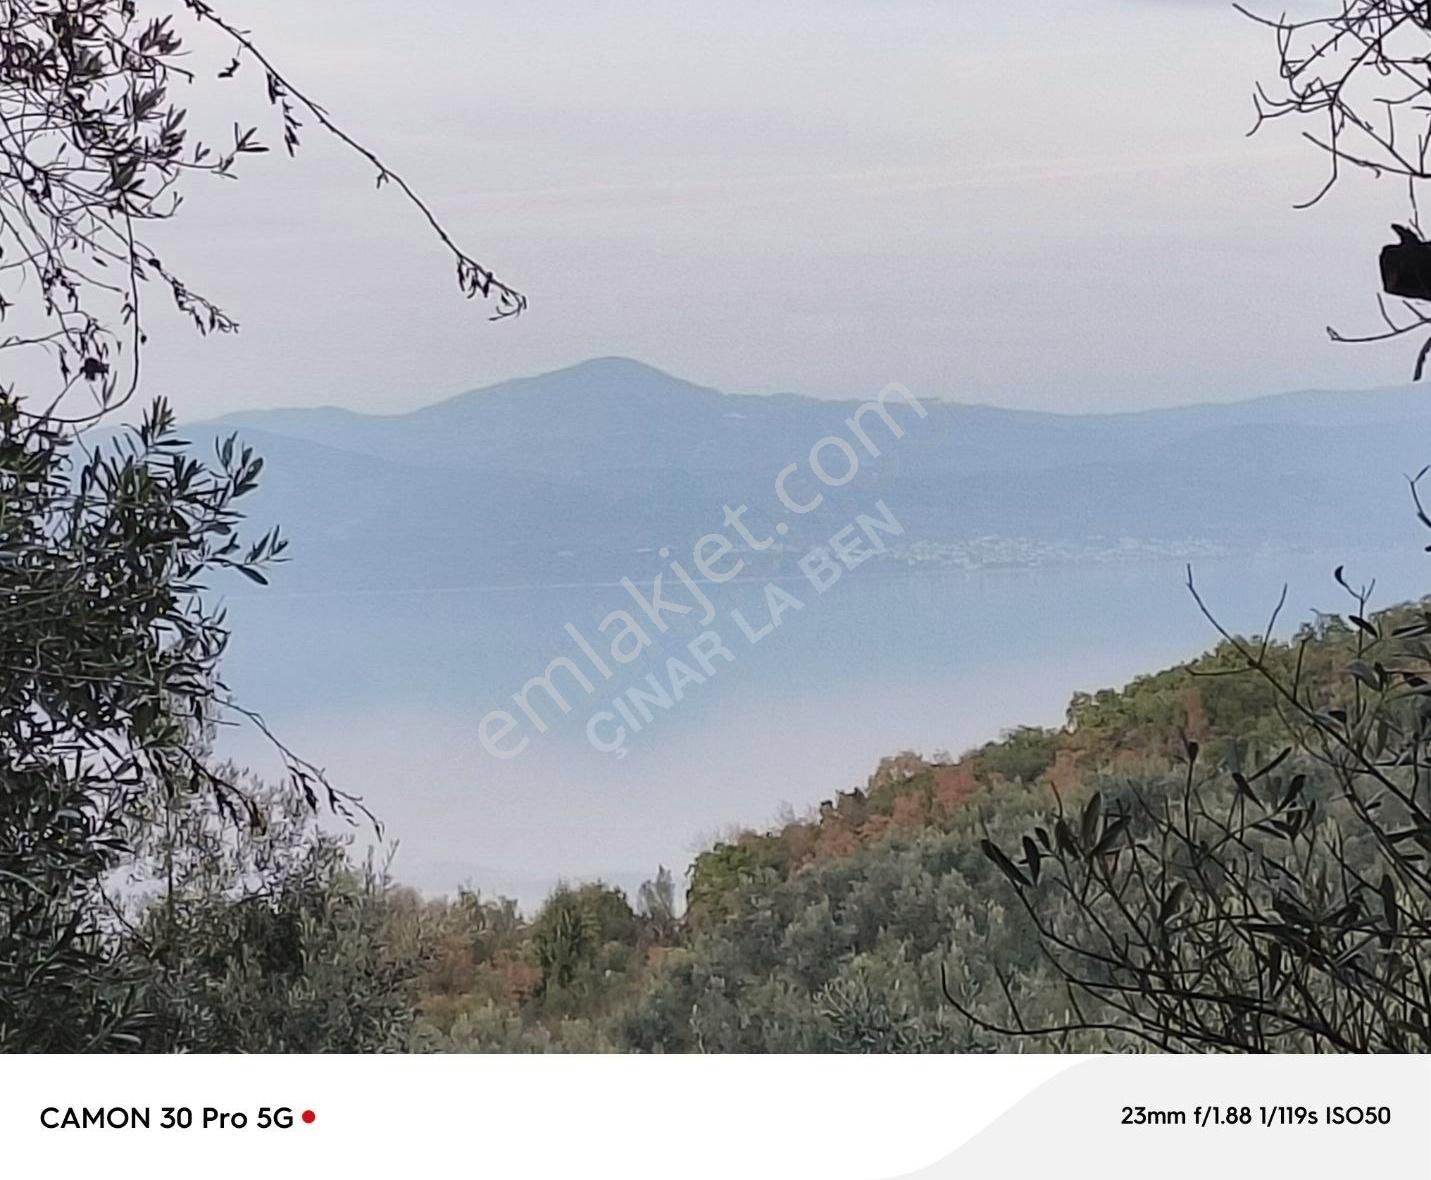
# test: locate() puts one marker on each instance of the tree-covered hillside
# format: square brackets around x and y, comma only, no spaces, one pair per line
[843,929]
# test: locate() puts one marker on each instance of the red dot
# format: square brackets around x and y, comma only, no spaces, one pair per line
[309,1116]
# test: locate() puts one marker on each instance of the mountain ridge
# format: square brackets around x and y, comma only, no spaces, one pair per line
[589,470]
[603,368]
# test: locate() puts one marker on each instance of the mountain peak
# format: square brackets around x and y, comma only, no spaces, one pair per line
[616,382]
[614,366]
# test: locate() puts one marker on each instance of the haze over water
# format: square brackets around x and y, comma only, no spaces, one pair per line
[386,690]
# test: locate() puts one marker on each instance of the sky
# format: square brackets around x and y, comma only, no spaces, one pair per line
[1032,203]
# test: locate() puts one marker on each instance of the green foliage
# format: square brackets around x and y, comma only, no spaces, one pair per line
[866,1013]
[580,932]
[265,937]
[719,872]
[108,666]
[565,939]
[844,953]
[1279,906]
[1023,755]
[548,984]
[109,649]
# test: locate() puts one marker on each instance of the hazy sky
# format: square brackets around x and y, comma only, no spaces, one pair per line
[1031,202]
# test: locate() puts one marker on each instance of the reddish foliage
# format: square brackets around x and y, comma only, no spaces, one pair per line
[953,784]
[911,810]
[799,840]
[875,829]
[835,840]
[1063,774]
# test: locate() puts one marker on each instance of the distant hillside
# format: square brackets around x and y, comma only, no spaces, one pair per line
[579,474]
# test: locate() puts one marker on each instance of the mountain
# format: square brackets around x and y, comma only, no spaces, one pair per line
[581,474]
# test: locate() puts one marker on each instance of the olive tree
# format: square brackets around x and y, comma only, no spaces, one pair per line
[1275,904]
[110,649]
[1283,905]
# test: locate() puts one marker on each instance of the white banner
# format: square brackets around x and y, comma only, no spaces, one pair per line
[855,1117]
